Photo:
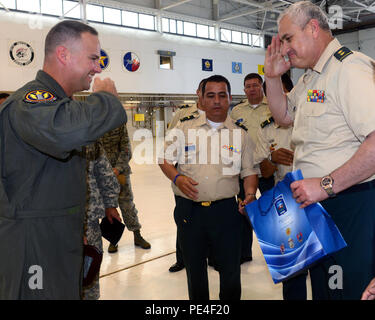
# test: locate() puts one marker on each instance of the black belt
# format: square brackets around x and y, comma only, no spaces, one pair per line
[359,187]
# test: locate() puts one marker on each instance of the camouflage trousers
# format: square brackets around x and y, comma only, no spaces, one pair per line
[94,238]
[128,210]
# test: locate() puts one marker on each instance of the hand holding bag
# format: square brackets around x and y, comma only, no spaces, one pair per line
[292,238]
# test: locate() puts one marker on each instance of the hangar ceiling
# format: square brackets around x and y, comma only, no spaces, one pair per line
[347,15]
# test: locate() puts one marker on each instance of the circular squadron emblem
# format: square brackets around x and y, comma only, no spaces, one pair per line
[21,53]
[131,61]
[103,60]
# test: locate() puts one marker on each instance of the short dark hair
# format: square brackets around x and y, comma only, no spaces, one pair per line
[63,31]
[201,84]
[216,78]
[4,95]
[253,76]
[285,79]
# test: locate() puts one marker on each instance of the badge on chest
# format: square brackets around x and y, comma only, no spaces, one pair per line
[315,96]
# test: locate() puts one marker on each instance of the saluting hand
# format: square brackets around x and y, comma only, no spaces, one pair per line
[274,63]
[104,85]
[186,185]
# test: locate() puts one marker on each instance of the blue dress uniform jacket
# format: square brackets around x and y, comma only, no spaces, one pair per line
[43,186]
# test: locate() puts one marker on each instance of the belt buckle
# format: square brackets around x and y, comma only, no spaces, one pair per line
[206,203]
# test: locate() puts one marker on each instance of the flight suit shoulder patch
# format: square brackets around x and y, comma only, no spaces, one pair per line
[238,123]
[342,53]
[37,96]
[266,122]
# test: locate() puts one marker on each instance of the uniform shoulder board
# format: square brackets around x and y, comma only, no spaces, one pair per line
[185,106]
[187,118]
[267,122]
[342,53]
[238,123]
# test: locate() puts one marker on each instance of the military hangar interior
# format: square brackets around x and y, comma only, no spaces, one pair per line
[166,42]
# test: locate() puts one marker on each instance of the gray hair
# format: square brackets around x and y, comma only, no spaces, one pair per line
[302,12]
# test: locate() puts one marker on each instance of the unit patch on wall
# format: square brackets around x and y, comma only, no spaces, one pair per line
[103,60]
[131,61]
[207,65]
[237,67]
[21,53]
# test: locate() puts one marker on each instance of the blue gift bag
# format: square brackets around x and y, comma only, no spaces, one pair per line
[292,238]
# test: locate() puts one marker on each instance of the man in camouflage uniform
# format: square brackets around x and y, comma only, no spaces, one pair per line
[118,149]
[102,200]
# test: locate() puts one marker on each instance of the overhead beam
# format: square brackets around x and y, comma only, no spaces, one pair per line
[267,6]
[83,10]
[174,4]
[215,10]
[365,7]
[1,4]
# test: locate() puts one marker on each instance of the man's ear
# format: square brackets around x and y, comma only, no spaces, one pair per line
[62,54]
[315,27]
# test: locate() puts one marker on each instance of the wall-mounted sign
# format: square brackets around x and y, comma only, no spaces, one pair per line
[237,67]
[139,117]
[21,53]
[166,53]
[131,61]
[207,65]
[261,69]
[103,60]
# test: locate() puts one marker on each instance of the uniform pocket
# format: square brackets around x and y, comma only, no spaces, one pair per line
[182,212]
[316,122]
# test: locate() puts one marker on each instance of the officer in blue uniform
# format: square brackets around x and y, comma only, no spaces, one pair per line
[43,186]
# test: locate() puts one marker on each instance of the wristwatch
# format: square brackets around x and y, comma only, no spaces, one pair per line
[270,158]
[327,184]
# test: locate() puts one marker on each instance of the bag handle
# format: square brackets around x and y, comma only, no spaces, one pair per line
[264,212]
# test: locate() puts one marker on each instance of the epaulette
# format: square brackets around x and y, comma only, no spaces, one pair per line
[342,53]
[185,106]
[267,122]
[238,123]
[187,118]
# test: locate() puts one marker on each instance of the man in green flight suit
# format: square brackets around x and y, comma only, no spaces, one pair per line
[43,186]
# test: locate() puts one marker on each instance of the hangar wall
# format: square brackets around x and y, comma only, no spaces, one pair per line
[187,63]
